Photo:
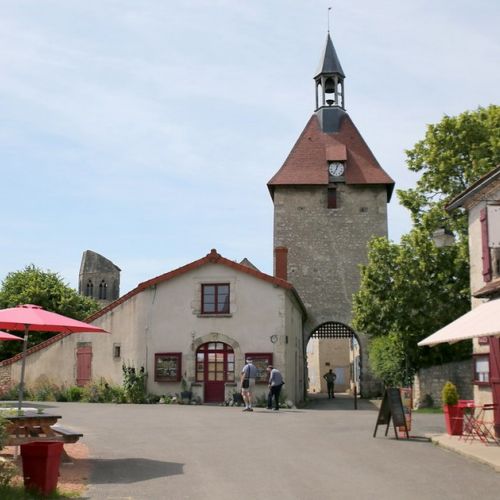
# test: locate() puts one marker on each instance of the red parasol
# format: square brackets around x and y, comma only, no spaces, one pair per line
[29,317]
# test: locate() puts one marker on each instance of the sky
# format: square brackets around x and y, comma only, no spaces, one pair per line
[147,130]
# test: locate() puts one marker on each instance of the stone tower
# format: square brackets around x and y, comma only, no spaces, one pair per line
[99,278]
[330,198]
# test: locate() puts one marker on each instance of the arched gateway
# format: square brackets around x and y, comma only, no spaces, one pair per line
[350,369]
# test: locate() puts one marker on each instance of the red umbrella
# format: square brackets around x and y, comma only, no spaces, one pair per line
[34,318]
[8,336]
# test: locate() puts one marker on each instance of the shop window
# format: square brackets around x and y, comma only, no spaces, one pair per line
[168,367]
[261,361]
[481,369]
[215,299]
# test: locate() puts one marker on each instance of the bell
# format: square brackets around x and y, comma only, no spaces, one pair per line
[329,86]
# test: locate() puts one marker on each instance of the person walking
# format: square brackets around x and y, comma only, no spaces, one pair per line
[330,382]
[248,375]
[275,385]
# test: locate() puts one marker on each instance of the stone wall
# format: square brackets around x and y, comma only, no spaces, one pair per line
[5,377]
[432,379]
[325,250]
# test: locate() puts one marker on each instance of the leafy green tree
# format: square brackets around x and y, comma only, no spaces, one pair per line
[46,289]
[454,153]
[410,290]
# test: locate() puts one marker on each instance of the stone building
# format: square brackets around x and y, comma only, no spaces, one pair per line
[482,202]
[99,278]
[330,198]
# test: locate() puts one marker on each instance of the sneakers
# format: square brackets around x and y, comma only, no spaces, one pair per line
[276,409]
[248,409]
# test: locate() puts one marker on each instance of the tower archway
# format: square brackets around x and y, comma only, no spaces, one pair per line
[334,346]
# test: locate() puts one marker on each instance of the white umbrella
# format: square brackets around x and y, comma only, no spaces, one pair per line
[482,321]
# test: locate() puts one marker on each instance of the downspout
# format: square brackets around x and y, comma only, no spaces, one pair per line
[148,327]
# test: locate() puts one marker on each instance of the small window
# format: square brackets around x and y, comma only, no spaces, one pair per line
[168,367]
[103,287]
[481,369]
[117,351]
[90,289]
[215,299]
[332,198]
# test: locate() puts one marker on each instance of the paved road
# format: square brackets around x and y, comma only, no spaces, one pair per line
[157,452]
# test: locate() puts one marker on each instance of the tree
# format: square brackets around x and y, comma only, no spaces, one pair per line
[408,291]
[455,153]
[46,289]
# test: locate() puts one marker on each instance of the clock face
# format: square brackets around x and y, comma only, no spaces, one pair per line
[336,169]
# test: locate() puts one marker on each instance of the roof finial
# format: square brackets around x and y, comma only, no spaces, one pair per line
[329,9]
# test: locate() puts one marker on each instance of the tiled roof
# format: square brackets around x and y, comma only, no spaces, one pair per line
[212,258]
[492,288]
[307,162]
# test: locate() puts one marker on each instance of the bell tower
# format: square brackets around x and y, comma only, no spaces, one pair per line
[329,79]
[330,198]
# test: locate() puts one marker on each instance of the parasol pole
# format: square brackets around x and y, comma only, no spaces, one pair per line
[23,365]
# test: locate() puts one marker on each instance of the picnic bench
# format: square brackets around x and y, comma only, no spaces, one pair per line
[32,426]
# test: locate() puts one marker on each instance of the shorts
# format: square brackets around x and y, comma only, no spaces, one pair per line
[251,386]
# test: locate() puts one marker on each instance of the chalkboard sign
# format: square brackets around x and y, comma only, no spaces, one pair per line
[391,408]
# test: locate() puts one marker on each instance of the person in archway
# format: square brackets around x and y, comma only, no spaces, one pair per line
[275,385]
[330,382]
[247,379]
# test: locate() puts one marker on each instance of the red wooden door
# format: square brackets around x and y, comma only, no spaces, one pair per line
[83,365]
[214,367]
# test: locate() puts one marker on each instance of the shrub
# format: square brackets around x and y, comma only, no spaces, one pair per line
[8,470]
[74,393]
[134,384]
[449,394]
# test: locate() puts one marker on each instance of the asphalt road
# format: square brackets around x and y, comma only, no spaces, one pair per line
[327,451]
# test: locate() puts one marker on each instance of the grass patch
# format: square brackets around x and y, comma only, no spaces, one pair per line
[19,493]
[428,410]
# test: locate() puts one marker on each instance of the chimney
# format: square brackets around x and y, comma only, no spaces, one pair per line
[280,262]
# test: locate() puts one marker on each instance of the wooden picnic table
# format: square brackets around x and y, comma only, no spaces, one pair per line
[32,426]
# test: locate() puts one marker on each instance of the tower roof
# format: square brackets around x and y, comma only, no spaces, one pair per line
[329,62]
[306,163]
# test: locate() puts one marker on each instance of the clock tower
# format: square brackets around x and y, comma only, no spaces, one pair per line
[330,199]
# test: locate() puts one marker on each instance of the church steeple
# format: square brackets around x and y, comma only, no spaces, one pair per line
[329,78]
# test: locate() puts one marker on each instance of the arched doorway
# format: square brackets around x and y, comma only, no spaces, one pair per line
[214,367]
[334,345]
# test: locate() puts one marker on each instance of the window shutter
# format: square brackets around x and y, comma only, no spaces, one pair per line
[483,217]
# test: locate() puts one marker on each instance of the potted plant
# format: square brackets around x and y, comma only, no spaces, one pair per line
[453,413]
[186,393]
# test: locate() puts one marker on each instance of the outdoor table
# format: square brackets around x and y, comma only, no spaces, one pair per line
[477,425]
[30,427]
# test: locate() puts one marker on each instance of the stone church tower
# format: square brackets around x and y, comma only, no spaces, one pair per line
[330,198]
[99,278]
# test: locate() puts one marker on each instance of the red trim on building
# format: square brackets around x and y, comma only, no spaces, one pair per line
[483,218]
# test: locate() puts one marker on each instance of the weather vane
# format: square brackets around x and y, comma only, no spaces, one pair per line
[329,9]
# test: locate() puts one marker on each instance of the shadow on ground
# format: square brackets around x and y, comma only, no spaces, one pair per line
[343,402]
[130,470]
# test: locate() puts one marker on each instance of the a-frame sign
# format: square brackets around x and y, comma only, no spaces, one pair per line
[392,408]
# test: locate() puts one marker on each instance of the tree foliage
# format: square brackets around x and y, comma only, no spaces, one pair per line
[454,153]
[411,289]
[408,291]
[46,289]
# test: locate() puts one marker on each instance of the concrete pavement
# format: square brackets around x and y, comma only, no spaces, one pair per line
[210,452]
